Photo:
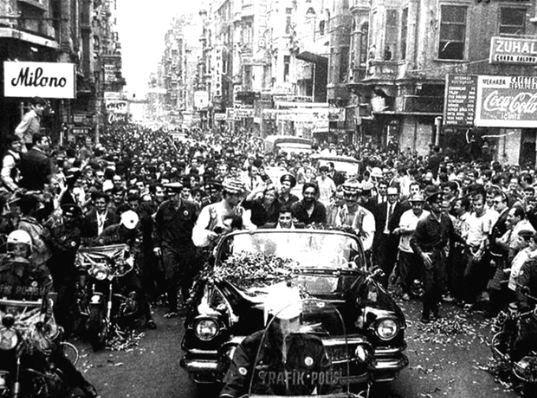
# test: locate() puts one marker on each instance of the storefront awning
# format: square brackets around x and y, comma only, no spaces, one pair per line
[311,57]
[395,113]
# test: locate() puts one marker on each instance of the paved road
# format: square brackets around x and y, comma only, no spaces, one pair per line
[445,360]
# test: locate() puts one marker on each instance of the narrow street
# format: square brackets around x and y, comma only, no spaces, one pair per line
[446,360]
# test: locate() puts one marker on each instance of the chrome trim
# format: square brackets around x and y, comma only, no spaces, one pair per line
[200,365]
[389,364]
[335,341]
[384,352]
[197,351]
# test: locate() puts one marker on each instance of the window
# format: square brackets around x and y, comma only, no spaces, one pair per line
[452,32]
[321,28]
[286,62]
[390,38]
[512,21]
[343,64]
[364,37]
[288,12]
[404,22]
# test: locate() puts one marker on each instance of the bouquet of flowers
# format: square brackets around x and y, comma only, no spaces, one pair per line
[249,270]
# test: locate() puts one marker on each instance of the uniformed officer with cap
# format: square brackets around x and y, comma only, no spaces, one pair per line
[285,351]
[174,222]
[430,242]
[286,198]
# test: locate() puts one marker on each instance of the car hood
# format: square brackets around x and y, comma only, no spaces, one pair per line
[325,292]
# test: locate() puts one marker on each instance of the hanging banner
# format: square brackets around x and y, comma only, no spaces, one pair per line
[39,79]
[506,101]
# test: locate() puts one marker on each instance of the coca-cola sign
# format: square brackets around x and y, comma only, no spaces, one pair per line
[39,79]
[506,101]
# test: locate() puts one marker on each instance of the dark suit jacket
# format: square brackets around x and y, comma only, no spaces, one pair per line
[36,169]
[89,224]
[381,213]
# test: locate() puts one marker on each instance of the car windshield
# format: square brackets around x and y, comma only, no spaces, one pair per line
[308,249]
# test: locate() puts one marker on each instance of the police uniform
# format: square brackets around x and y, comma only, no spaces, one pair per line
[174,222]
[299,374]
[21,280]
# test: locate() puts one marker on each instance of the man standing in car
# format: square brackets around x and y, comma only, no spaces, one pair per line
[309,210]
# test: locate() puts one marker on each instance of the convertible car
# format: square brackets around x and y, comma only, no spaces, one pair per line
[361,326]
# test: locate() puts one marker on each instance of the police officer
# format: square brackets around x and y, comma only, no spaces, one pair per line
[286,198]
[430,242]
[285,351]
[174,222]
[65,237]
[21,279]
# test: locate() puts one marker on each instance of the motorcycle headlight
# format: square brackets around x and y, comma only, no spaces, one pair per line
[206,329]
[387,329]
[8,339]
[101,275]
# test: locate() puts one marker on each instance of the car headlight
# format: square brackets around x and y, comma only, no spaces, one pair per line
[206,329]
[387,329]
[8,339]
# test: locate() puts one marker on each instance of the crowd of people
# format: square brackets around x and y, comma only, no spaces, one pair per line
[464,231]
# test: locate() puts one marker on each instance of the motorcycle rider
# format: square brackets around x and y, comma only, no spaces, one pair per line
[127,231]
[284,351]
[20,279]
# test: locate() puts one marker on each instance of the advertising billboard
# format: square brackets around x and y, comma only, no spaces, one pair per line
[506,101]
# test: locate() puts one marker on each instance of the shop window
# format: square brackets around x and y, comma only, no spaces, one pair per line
[321,28]
[512,21]
[452,32]
[288,12]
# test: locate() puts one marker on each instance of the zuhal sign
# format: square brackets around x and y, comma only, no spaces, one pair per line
[41,79]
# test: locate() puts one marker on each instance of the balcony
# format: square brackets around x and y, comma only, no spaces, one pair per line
[39,26]
[384,70]
[421,103]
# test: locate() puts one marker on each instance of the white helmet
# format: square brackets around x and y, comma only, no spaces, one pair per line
[129,219]
[19,236]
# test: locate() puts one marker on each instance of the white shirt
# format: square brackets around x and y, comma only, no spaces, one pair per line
[516,265]
[478,228]
[327,189]
[217,214]
[366,230]
[409,221]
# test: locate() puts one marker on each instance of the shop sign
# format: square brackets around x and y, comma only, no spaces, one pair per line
[117,106]
[218,117]
[243,113]
[506,101]
[230,114]
[80,130]
[201,99]
[80,118]
[460,100]
[39,79]
[513,50]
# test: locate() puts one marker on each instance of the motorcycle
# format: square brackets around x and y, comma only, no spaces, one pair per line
[30,347]
[519,359]
[104,299]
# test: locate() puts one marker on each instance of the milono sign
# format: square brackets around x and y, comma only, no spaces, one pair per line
[39,79]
